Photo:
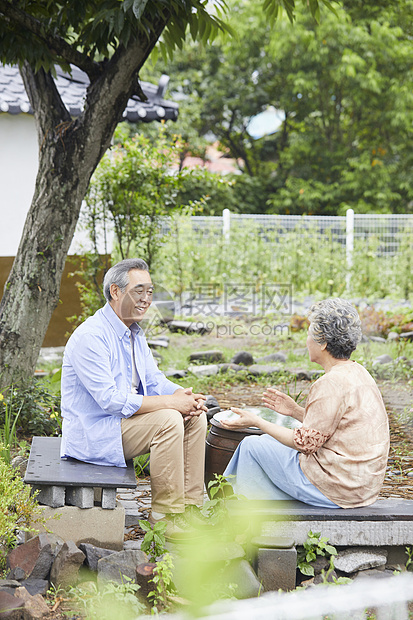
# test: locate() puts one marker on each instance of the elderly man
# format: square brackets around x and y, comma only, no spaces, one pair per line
[117,404]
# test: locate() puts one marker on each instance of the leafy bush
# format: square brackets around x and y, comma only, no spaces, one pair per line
[39,409]
[18,509]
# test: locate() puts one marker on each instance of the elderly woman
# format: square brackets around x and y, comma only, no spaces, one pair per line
[338,457]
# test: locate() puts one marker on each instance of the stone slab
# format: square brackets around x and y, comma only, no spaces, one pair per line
[345,533]
[359,559]
[97,526]
[45,467]
[381,510]
[387,522]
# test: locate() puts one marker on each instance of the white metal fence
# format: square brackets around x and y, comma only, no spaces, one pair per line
[387,599]
[388,230]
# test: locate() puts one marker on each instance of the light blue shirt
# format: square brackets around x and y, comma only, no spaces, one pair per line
[96,387]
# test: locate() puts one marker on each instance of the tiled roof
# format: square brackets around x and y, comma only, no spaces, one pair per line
[72,88]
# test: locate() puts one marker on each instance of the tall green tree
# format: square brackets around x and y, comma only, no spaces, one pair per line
[110,40]
[345,86]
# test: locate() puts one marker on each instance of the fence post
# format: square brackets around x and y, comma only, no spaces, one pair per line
[349,245]
[226,224]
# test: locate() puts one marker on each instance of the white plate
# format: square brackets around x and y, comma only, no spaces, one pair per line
[225,415]
[229,415]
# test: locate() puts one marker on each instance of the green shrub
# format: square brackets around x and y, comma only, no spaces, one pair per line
[39,409]
[18,509]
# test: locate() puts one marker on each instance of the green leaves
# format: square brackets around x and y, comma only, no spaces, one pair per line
[272,8]
[154,540]
[138,7]
[314,546]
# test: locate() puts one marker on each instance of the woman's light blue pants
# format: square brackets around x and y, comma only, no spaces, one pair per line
[264,468]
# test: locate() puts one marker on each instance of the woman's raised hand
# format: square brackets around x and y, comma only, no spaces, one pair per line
[282,403]
[244,420]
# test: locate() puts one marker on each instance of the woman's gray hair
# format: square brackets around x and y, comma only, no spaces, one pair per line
[336,323]
[118,274]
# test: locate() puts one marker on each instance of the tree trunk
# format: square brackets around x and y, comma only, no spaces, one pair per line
[69,151]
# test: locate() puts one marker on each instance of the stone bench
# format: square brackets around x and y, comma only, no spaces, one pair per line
[387,522]
[69,482]
[82,496]
[280,525]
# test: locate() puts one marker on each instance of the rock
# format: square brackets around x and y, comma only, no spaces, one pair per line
[407,336]
[204,371]
[121,563]
[158,344]
[300,352]
[320,563]
[258,370]
[66,566]
[94,554]
[173,373]
[17,573]
[273,357]
[9,583]
[207,356]
[36,586]
[321,578]
[242,574]
[211,402]
[34,605]
[376,573]
[383,359]
[243,358]
[36,556]
[393,336]
[300,374]
[157,356]
[189,327]
[20,463]
[132,518]
[234,367]
[8,603]
[377,339]
[132,545]
[353,560]
[315,374]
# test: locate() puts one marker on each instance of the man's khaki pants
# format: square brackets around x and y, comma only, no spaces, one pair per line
[177,456]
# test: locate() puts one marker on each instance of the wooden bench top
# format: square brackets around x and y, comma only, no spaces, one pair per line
[46,468]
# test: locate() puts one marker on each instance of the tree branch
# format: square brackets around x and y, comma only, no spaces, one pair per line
[54,43]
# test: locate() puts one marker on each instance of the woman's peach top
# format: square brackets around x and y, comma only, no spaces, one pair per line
[344,439]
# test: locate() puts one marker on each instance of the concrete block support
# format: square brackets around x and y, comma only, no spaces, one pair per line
[82,497]
[276,568]
[108,498]
[97,526]
[53,496]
